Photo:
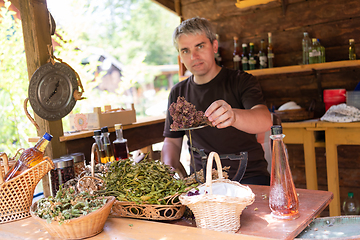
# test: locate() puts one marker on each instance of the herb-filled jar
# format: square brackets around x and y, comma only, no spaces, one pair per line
[62,172]
[79,162]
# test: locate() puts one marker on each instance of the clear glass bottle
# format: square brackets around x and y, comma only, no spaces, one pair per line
[314,51]
[236,54]
[101,156]
[352,49]
[121,150]
[244,57]
[262,55]
[252,59]
[270,53]
[109,150]
[306,43]
[29,158]
[351,205]
[283,199]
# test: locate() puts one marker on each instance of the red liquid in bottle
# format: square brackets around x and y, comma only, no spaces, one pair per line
[120,151]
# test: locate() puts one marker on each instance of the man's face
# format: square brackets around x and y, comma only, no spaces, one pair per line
[197,53]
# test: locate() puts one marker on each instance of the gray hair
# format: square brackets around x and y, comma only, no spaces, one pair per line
[194,26]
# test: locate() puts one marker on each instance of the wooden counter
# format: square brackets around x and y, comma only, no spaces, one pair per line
[256,223]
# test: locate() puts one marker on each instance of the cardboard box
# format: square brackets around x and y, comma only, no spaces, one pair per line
[98,119]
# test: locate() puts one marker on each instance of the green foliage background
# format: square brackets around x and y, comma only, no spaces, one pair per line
[135,32]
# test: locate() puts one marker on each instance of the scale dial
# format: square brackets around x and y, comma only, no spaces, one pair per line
[51,91]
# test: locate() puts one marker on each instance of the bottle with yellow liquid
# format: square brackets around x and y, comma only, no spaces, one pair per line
[29,158]
[283,199]
[109,150]
[101,156]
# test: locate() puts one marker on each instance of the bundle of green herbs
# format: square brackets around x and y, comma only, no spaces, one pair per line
[67,205]
[146,182]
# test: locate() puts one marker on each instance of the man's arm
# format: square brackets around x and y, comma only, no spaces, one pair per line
[170,155]
[254,120]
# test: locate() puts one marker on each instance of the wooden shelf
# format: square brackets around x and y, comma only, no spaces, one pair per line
[305,68]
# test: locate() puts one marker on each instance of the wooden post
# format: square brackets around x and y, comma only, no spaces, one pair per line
[36,31]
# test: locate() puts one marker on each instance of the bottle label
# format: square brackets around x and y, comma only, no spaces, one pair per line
[252,60]
[271,55]
[263,61]
[244,60]
[236,58]
[314,53]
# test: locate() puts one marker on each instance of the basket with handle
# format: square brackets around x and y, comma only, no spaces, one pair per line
[16,195]
[220,202]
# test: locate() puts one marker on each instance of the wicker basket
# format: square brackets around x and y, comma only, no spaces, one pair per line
[221,201]
[172,211]
[16,195]
[77,228]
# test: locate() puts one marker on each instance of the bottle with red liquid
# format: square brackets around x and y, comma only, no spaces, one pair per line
[121,150]
[283,199]
[29,158]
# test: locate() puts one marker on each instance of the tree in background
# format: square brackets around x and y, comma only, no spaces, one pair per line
[15,128]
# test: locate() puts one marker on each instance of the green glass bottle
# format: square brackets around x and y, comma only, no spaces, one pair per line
[236,55]
[314,51]
[252,59]
[270,54]
[262,55]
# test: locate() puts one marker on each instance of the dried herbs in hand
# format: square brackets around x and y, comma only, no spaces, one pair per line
[185,115]
[67,205]
[146,182]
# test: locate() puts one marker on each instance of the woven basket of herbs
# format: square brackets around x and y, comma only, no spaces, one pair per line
[145,190]
[72,215]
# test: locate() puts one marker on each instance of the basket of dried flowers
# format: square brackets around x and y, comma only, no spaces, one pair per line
[71,215]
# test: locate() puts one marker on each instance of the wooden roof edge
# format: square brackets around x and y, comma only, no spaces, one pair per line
[168,4]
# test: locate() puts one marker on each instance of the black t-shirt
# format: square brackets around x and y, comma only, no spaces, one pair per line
[242,91]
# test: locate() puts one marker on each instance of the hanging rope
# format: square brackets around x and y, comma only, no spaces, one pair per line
[77,95]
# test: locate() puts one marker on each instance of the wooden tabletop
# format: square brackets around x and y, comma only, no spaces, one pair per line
[256,223]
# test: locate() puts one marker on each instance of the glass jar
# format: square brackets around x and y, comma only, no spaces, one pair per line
[79,162]
[63,171]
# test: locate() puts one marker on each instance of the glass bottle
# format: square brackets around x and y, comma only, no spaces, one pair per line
[252,59]
[306,42]
[270,54]
[314,51]
[262,55]
[352,49]
[351,205]
[236,54]
[218,58]
[283,200]
[29,158]
[244,57]
[121,150]
[109,151]
[322,52]
[101,157]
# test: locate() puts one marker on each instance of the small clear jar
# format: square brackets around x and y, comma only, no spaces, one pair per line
[79,163]
[63,171]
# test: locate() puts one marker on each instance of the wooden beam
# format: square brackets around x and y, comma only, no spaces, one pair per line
[168,4]
[36,32]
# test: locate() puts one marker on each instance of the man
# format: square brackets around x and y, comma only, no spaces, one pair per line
[232,101]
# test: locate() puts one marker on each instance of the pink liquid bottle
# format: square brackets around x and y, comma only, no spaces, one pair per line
[283,199]
[121,150]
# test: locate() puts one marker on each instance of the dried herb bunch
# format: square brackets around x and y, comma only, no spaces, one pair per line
[146,182]
[67,205]
[185,115]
